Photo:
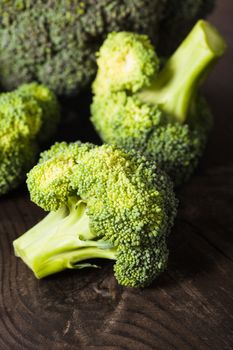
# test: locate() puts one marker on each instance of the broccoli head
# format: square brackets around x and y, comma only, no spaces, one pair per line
[54,42]
[103,203]
[28,116]
[161,114]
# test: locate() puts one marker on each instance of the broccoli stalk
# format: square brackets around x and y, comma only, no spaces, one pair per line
[29,117]
[61,240]
[177,83]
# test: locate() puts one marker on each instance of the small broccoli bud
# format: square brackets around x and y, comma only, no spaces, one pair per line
[124,120]
[138,267]
[126,61]
[49,105]
[49,181]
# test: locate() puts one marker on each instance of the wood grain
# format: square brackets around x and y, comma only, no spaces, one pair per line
[188,307]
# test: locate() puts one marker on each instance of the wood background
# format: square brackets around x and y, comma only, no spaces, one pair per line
[189,307]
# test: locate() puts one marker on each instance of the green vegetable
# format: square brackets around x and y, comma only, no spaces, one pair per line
[103,203]
[159,113]
[55,42]
[28,116]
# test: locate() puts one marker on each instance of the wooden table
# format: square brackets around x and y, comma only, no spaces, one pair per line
[188,307]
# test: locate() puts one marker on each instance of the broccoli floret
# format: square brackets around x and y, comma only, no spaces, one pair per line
[47,101]
[54,42]
[26,119]
[168,119]
[103,203]
[132,51]
[16,158]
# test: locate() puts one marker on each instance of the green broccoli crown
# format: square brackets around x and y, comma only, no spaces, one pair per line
[105,203]
[59,49]
[165,119]
[49,181]
[26,117]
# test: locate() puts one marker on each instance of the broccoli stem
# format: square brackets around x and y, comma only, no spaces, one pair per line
[61,240]
[176,85]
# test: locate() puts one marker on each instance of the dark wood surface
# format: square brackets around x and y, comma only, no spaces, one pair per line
[188,307]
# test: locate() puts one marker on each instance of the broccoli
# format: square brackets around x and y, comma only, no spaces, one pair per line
[54,42]
[28,117]
[103,203]
[160,113]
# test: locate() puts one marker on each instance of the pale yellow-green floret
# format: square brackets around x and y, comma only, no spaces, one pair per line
[28,117]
